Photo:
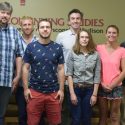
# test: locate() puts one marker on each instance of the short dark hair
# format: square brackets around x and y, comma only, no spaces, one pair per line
[75,11]
[6,7]
[44,20]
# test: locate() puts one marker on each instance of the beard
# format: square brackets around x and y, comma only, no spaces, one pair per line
[4,22]
[44,37]
[29,32]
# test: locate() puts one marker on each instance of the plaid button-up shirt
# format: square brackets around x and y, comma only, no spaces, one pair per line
[10,48]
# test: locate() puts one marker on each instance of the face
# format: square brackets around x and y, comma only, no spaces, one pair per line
[44,30]
[84,39]
[27,26]
[4,16]
[112,34]
[75,20]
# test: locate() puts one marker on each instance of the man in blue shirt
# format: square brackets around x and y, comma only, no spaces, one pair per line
[46,60]
[10,55]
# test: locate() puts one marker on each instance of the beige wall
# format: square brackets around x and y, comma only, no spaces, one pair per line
[98,14]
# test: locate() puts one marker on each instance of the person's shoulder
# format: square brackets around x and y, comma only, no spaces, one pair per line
[122,49]
[33,43]
[100,47]
[96,53]
[11,27]
[55,44]
[64,33]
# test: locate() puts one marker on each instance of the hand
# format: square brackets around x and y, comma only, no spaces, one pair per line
[93,100]
[27,95]
[107,88]
[73,99]
[15,84]
[60,96]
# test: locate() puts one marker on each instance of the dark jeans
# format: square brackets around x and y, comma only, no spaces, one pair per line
[5,93]
[66,120]
[21,103]
[81,113]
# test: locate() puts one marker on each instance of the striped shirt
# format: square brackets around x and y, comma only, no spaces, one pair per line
[10,48]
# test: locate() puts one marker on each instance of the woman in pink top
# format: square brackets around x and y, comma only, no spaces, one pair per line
[113,72]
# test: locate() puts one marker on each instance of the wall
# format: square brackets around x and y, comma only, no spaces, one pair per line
[98,14]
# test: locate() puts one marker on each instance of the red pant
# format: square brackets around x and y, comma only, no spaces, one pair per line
[43,102]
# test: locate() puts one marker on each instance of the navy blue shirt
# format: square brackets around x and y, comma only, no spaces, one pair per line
[44,60]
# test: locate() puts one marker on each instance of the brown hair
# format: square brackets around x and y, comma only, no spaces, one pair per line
[5,6]
[44,20]
[113,26]
[75,11]
[91,47]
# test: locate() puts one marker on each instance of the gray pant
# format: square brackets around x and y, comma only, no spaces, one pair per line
[5,93]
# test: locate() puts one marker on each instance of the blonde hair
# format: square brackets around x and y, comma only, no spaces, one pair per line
[26,18]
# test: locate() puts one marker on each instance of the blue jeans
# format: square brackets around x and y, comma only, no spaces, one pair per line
[5,93]
[21,103]
[81,113]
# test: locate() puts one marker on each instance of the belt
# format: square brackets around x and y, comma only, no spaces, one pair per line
[83,85]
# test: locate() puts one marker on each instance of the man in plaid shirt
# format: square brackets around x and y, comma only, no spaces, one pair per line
[10,55]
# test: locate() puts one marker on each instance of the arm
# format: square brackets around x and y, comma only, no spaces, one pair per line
[25,78]
[18,61]
[97,78]
[61,78]
[71,90]
[120,78]
[69,73]
[18,73]
[94,95]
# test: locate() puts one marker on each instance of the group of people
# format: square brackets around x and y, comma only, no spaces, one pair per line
[40,71]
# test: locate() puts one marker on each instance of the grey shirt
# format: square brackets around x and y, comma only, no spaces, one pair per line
[84,68]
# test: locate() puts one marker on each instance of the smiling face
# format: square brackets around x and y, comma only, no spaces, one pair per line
[27,26]
[84,39]
[75,21]
[112,34]
[5,16]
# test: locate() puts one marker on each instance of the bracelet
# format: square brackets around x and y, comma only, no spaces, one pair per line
[94,95]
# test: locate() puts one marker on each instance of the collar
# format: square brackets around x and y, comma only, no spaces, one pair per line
[72,32]
[34,38]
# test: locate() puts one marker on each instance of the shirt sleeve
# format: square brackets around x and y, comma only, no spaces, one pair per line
[97,73]
[59,41]
[28,55]
[69,64]
[61,56]
[19,47]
